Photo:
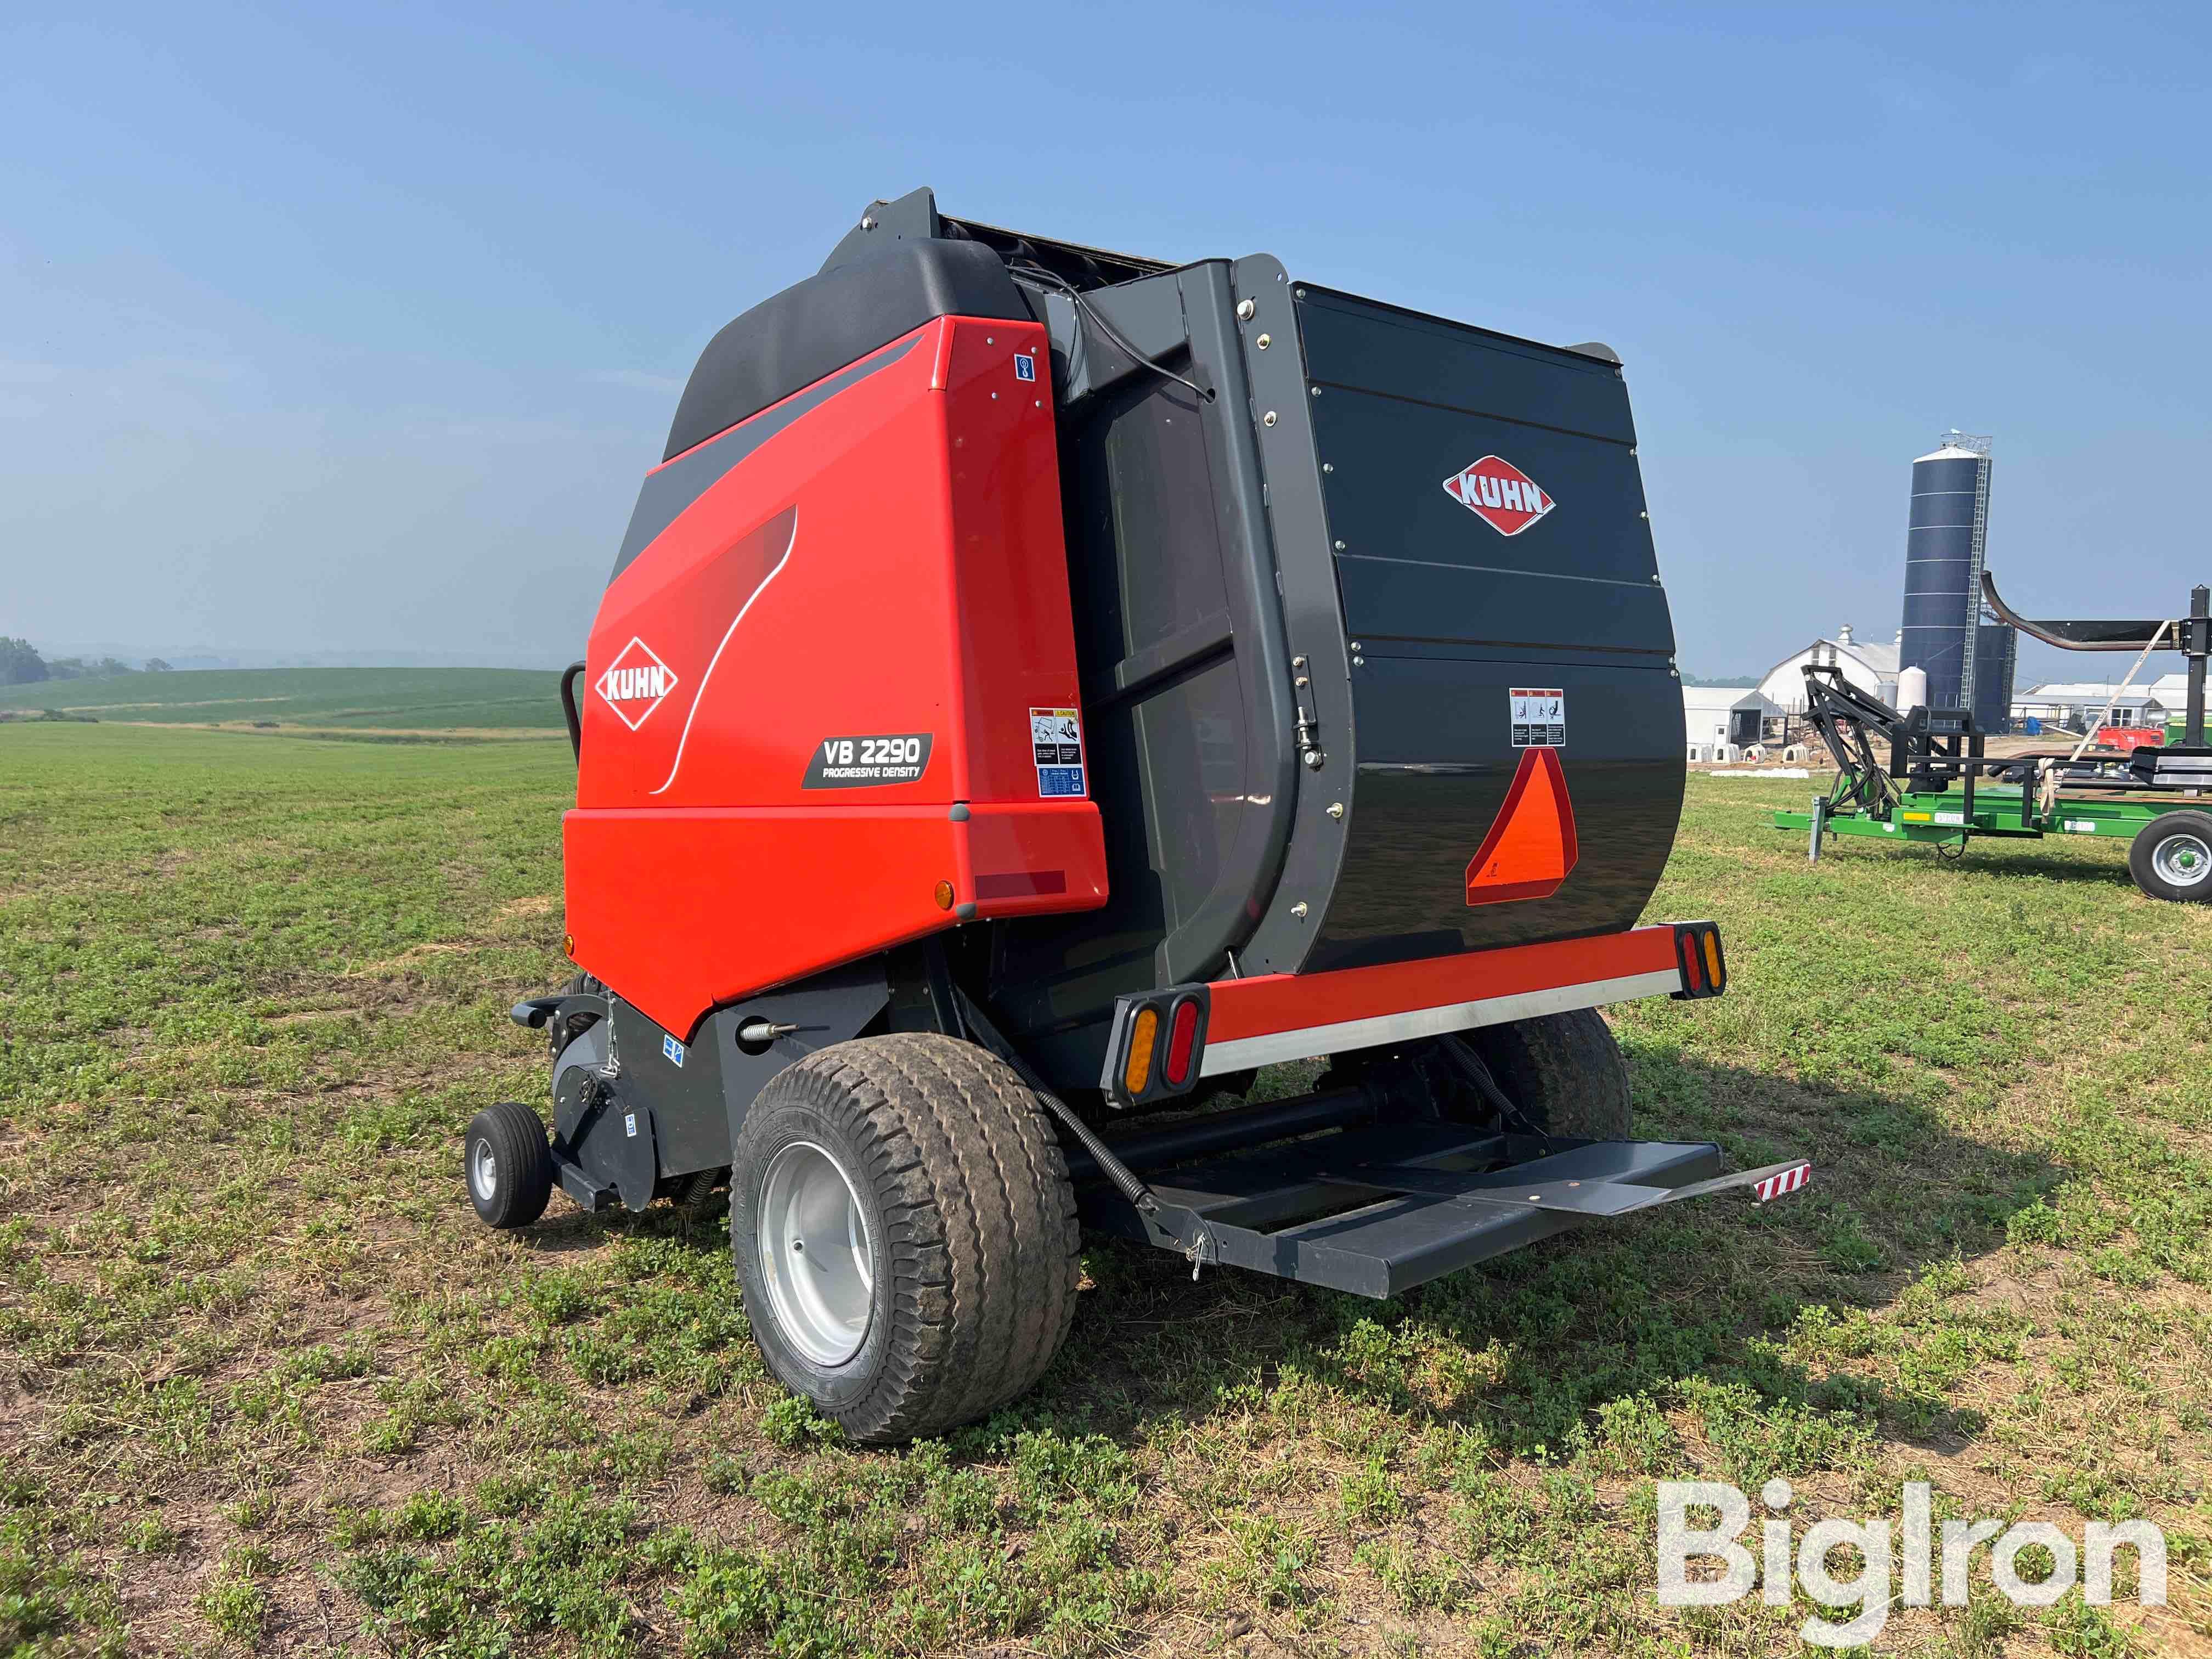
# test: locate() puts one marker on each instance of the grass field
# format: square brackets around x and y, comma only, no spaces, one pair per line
[357,699]
[266,1385]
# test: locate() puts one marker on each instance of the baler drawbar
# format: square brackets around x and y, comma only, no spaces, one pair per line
[1038,689]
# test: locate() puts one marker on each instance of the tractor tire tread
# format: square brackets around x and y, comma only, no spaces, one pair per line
[983,1243]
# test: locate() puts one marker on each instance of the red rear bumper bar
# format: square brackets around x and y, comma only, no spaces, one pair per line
[1278,1016]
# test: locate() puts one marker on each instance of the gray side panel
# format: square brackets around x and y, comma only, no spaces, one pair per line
[696,1107]
[665,493]
[829,1008]
[1313,616]
[684,1099]
[1187,685]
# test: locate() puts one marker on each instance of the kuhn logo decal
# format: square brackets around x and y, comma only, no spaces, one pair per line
[1500,494]
[635,683]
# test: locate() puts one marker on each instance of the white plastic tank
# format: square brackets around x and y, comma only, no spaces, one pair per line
[1912,690]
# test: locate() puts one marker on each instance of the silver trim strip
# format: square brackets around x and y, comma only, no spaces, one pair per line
[1310,1040]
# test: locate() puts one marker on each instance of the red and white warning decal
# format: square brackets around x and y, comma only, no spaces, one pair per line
[1538,716]
[1500,494]
[635,683]
[1783,1180]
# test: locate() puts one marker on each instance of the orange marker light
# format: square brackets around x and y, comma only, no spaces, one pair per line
[1713,961]
[1144,1032]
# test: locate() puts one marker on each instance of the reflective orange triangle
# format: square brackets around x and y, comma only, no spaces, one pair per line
[1531,846]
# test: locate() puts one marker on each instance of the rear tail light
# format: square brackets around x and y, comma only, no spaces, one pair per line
[1182,1041]
[1157,1046]
[1697,956]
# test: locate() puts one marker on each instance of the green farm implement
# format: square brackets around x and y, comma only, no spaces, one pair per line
[2146,798]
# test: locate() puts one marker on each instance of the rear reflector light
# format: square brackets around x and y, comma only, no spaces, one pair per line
[1179,1039]
[1158,1045]
[1698,954]
[1784,1180]
[1144,1032]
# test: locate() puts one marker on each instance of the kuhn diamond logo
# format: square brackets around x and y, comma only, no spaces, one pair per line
[635,683]
[1500,494]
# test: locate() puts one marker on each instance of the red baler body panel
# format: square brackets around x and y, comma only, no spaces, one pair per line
[888,565]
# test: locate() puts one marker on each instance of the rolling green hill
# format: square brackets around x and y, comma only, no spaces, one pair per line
[396,699]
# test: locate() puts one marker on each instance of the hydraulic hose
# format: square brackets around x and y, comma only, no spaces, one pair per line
[568,709]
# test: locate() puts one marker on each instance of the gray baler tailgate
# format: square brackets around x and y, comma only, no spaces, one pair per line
[1455,610]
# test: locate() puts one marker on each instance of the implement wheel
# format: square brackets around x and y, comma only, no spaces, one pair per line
[1563,1071]
[905,1234]
[2170,857]
[508,1165]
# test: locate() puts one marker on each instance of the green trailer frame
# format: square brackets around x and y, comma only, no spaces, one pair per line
[1910,797]
[2178,856]
[1942,817]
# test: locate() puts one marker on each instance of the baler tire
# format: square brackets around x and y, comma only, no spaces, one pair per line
[1563,1071]
[506,1165]
[2153,864]
[969,1222]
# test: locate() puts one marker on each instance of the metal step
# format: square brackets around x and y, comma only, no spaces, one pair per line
[1378,1210]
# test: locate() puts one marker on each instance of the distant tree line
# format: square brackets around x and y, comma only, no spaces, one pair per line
[22,664]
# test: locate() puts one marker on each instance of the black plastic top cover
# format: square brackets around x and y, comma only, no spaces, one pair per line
[816,327]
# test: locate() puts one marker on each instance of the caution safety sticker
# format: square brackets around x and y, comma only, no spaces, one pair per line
[1056,745]
[1539,717]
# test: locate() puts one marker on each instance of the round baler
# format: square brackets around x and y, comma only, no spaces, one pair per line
[1038,688]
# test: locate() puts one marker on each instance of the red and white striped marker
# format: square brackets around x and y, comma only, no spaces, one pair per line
[1783,1180]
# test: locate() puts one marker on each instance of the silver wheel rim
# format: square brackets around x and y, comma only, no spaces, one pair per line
[484,1171]
[2182,860]
[814,1254]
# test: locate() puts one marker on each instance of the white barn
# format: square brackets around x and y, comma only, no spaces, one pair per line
[1872,668]
[1718,719]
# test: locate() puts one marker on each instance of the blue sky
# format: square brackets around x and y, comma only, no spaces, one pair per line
[353,328]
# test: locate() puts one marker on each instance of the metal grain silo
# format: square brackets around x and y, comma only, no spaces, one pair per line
[1945,541]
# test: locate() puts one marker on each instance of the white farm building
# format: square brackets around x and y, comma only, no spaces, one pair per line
[2075,703]
[1719,719]
[1872,668]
